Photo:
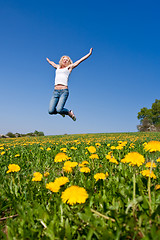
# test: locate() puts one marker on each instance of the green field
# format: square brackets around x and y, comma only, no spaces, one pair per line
[53,190]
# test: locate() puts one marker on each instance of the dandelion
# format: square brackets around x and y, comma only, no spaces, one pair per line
[74,194]
[113,147]
[52,186]
[13,168]
[108,156]
[46,174]
[158,160]
[41,148]
[157,186]
[63,149]
[70,164]
[94,156]
[98,144]
[85,162]
[67,169]
[17,155]
[107,174]
[134,158]
[92,149]
[148,165]
[99,176]
[119,147]
[147,173]
[2,153]
[85,170]
[61,157]
[73,148]
[37,177]
[61,181]
[48,149]
[113,160]
[152,146]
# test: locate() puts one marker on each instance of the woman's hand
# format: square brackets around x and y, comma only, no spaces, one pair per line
[90,52]
[52,63]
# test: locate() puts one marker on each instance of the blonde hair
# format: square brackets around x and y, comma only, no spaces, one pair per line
[69,62]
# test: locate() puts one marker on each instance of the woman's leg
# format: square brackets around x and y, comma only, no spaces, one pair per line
[53,102]
[62,100]
[60,106]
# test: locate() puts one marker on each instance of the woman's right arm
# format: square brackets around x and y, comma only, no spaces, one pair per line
[52,63]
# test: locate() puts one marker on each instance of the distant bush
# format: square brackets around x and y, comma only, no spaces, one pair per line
[11,135]
[15,135]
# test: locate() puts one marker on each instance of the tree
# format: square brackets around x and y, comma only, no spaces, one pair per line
[10,134]
[150,116]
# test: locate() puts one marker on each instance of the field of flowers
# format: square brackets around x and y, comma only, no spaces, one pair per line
[90,186]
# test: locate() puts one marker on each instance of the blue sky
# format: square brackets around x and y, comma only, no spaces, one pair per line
[106,91]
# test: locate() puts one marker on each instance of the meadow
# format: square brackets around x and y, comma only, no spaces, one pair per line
[89,186]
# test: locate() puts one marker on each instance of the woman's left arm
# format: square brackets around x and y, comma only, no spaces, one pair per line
[82,59]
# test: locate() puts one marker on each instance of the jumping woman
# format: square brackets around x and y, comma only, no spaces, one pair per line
[61,92]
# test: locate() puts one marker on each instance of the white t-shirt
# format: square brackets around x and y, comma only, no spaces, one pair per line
[61,76]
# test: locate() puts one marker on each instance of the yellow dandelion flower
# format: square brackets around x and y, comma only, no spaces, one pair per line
[157,186]
[74,148]
[41,148]
[146,173]
[63,149]
[61,157]
[61,181]
[48,149]
[17,155]
[152,146]
[2,153]
[52,186]
[108,145]
[98,144]
[148,165]
[99,176]
[81,165]
[85,170]
[108,156]
[94,156]
[74,194]
[134,158]
[13,168]
[158,160]
[113,147]
[113,160]
[85,162]
[46,174]
[107,174]
[92,149]
[37,177]
[67,169]
[70,164]
[119,147]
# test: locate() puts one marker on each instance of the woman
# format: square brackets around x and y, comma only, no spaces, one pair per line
[60,93]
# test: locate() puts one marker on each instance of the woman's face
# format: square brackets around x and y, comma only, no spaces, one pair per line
[65,61]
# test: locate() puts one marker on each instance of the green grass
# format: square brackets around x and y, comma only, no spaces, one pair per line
[30,211]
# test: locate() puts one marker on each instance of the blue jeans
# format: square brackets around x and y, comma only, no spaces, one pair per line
[58,101]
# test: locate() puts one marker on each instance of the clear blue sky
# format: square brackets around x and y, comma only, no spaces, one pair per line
[106,91]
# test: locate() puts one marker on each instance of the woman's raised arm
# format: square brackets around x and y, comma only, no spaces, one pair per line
[82,59]
[52,63]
